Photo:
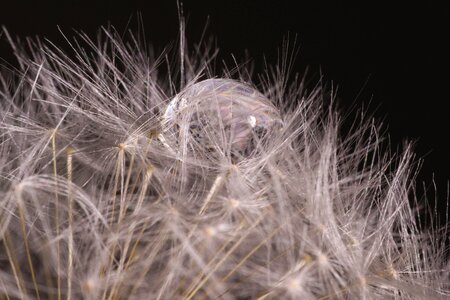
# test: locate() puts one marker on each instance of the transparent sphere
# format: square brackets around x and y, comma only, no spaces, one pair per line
[219,117]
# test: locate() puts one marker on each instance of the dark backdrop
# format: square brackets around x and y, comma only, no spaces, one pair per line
[395,60]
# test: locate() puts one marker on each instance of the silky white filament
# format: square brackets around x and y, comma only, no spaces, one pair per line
[113,186]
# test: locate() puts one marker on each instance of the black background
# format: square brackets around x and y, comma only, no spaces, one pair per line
[394,60]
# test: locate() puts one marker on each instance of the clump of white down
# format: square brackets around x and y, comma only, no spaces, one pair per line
[118,183]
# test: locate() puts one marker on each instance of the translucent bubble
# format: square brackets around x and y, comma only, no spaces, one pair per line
[219,116]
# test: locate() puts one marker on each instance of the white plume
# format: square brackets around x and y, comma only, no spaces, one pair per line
[120,182]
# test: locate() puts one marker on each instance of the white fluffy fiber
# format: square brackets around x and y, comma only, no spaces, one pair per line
[107,191]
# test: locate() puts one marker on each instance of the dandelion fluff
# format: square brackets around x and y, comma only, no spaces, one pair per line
[118,183]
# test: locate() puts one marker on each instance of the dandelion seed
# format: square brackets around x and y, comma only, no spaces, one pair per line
[234,203]
[322,259]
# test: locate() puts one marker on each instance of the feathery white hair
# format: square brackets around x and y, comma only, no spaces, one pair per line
[119,183]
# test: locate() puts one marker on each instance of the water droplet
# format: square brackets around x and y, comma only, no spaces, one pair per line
[219,116]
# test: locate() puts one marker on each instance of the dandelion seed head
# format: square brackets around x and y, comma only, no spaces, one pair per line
[233,203]
[362,281]
[89,285]
[392,272]
[122,146]
[294,284]
[322,259]
[210,192]
[209,231]
[18,187]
